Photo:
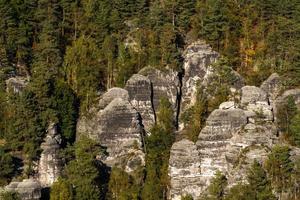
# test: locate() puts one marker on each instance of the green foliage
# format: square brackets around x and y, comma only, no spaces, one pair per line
[240,192]
[187,197]
[285,113]
[279,167]
[295,129]
[158,151]
[82,69]
[10,196]
[122,186]
[195,116]
[6,167]
[259,183]
[217,186]
[83,173]
[61,190]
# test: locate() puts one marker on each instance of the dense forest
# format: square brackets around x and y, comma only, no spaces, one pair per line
[70,51]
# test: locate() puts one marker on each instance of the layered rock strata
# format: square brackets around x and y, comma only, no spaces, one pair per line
[234,135]
[118,128]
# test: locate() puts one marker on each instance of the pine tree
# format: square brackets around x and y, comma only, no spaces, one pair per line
[279,167]
[217,186]
[259,183]
[61,190]
[295,129]
[83,70]
[83,172]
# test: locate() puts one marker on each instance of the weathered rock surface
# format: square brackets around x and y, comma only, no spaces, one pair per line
[233,137]
[50,164]
[139,89]
[117,127]
[215,137]
[16,84]
[165,84]
[184,170]
[252,94]
[198,58]
[272,86]
[29,189]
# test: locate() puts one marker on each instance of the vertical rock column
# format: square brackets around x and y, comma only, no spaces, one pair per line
[50,164]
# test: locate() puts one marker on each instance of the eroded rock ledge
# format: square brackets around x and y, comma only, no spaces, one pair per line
[234,135]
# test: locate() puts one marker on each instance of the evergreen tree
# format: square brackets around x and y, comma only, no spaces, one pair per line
[83,172]
[83,70]
[259,183]
[6,167]
[217,186]
[158,152]
[295,129]
[280,167]
[61,190]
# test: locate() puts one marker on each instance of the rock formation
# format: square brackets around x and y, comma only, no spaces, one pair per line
[118,128]
[198,58]
[164,84]
[50,164]
[233,137]
[140,93]
[29,189]
[16,84]
[184,170]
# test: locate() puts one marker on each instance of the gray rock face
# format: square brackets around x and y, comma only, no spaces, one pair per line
[164,83]
[272,86]
[29,189]
[233,137]
[118,128]
[110,95]
[50,164]
[16,84]
[198,58]
[215,137]
[184,170]
[139,89]
[252,94]
[295,93]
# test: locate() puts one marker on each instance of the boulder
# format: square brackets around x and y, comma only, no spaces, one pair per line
[227,105]
[252,94]
[110,95]
[139,90]
[50,164]
[184,170]
[29,189]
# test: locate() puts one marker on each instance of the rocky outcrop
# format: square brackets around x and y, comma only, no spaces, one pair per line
[184,170]
[29,189]
[140,94]
[215,137]
[198,58]
[252,94]
[234,135]
[50,164]
[16,84]
[272,86]
[254,100]
[164,84]
[118,128]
